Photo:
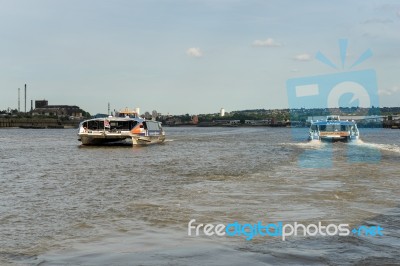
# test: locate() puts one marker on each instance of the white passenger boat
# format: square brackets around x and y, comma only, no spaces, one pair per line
[125,128]
[334,129]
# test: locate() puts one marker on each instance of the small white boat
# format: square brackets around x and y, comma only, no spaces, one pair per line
[124,128]
[334,129]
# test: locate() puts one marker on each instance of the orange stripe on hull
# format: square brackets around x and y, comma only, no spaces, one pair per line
[341,134]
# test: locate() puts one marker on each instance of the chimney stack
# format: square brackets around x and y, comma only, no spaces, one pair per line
[19,99]
[25,98]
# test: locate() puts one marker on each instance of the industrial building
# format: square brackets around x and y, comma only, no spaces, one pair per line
[42,107]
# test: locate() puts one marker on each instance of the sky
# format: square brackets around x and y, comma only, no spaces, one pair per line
[190,56]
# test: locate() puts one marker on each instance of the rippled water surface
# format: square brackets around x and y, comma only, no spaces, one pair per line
[62,203]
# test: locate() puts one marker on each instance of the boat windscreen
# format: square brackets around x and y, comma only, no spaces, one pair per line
[153,125]
[336,127]
[122,125]
[94,125]
[99,125]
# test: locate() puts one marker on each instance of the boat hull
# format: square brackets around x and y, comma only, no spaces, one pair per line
[335,136]
[96,140]
[134,140]
[127,140]
[147,140]
[337,139]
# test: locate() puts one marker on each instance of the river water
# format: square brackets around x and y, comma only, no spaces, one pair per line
[66,204]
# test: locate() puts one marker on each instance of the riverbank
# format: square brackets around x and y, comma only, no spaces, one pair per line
[37,123]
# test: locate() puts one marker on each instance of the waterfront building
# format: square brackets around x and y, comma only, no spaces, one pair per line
[43,108]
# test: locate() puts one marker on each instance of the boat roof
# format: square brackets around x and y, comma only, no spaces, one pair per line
[113,118]
[334,122]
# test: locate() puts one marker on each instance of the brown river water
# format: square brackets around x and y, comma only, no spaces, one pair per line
[66,204]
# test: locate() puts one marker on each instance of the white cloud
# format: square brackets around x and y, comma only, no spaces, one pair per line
[267,43]
[390,91]
[194,52]
[383,92]
[303,57]
[377,21]
[398,13]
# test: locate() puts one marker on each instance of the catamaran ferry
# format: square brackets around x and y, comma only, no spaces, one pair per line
[125,128]
[334,129]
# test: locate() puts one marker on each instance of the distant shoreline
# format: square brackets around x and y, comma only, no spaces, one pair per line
[54,123]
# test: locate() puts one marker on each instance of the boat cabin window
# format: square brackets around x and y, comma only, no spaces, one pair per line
[333,118]
[152,125]
[332,128]
[314,127]
[94,125]
[122,125]
[126,115]
[113,125]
